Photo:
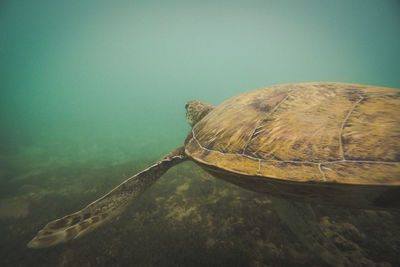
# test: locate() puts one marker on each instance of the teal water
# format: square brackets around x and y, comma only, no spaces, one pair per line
[94,91]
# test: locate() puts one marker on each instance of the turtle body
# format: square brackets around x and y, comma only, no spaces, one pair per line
[321,142]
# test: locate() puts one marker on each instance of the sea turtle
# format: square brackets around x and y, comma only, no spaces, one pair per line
[320,142]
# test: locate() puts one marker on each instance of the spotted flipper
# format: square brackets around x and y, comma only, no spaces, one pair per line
[109,206]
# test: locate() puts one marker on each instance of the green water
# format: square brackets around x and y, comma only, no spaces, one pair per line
[94,91]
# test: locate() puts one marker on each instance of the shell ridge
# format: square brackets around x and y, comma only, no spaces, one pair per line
[322,172]
[292,161]
[259,129]
[341,146]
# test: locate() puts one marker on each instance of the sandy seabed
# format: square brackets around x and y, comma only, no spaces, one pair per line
[188,218]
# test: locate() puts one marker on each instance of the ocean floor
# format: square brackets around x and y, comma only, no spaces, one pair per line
[188,218]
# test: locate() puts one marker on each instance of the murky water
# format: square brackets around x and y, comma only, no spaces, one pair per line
[94,92]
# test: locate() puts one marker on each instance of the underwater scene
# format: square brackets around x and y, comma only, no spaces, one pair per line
[95,92]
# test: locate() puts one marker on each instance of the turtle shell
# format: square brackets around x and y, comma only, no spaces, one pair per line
[301,140]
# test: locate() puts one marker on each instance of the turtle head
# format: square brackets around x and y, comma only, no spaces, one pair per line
[196,110]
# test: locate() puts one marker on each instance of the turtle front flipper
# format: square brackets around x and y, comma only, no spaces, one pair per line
[109,206]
